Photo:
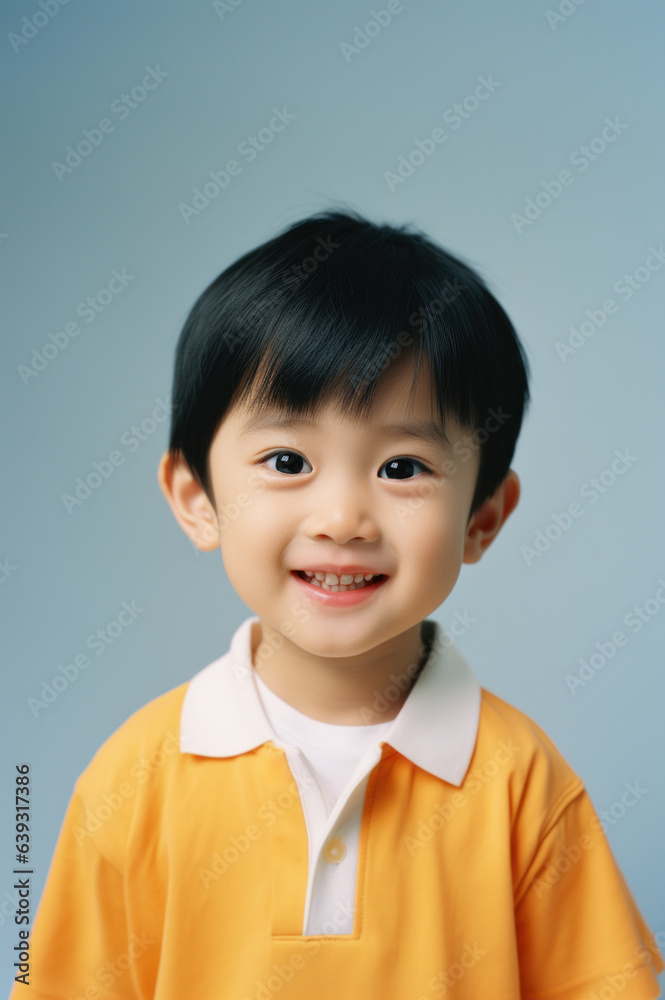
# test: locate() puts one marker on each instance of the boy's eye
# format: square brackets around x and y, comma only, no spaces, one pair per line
[393,468]
[287,461]
[290,462]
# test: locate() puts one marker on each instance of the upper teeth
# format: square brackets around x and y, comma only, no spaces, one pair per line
[345,578]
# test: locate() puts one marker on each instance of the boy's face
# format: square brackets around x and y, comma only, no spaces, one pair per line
[333,496]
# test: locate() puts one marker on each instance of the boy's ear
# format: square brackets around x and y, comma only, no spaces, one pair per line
[489,518]
[189,503]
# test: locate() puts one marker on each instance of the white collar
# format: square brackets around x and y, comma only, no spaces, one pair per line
[436,728]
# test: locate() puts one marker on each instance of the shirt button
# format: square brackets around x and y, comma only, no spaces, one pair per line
[334,851]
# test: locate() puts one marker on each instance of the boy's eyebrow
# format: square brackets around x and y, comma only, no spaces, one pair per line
[428,429]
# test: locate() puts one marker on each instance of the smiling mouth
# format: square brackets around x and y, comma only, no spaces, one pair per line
[332,583]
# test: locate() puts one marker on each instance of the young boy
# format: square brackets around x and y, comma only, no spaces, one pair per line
[335,808]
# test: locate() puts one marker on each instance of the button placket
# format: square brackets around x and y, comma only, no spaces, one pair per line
[311,796]
[348,799]
[322,868]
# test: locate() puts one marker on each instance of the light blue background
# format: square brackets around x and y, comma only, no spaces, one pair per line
[119,209]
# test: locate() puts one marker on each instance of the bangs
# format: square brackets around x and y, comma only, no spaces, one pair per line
[322,348]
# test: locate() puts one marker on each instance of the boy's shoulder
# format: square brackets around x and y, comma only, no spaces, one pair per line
[539,782]
[528,745]
[501,720]
[140,746]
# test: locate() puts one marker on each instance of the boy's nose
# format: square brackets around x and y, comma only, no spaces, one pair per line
[343,518]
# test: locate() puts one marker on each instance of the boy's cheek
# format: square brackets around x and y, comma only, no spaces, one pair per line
[238,501]
[255,482]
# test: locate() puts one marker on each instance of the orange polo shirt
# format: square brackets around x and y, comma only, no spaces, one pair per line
[182,876]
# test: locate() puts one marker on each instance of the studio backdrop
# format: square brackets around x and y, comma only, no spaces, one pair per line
[147,145]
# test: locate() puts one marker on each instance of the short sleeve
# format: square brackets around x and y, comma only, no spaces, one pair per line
[579,930]
[79,943]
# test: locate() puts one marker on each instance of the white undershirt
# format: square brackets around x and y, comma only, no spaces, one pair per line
[332,753]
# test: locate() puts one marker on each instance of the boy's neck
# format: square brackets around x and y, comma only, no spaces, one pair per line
[348,691]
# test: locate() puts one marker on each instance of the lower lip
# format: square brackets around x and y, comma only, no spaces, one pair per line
[338,598]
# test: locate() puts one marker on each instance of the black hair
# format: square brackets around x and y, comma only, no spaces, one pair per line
[316,314]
